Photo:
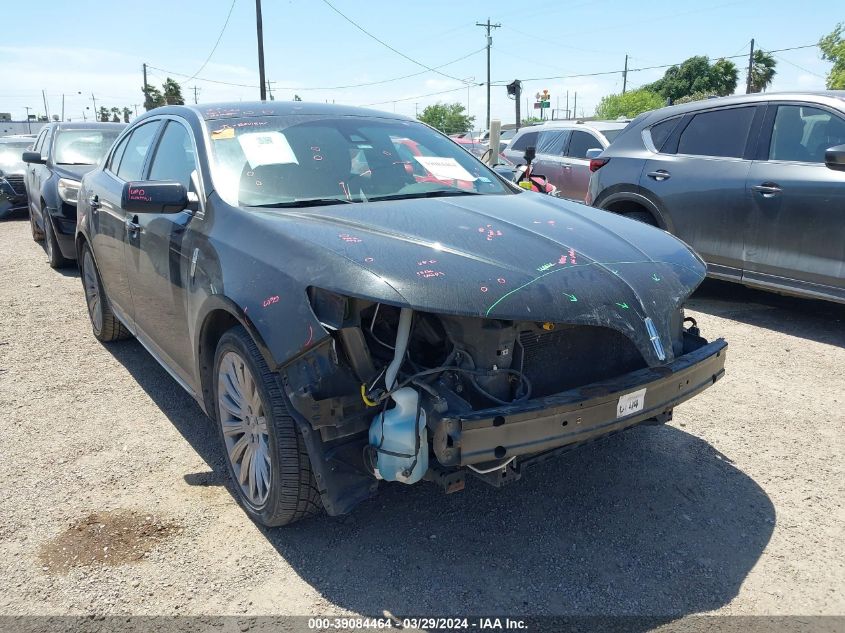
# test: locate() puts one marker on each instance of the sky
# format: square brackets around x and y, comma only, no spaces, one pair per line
[89,48]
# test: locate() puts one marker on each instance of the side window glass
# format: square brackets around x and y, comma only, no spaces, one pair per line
[803,134]
[114,162]
[580,143]
[661,132]
[132,161]
[717,133]
[174,157]
[39,142]
[45,146]
[526,140]
[552,142]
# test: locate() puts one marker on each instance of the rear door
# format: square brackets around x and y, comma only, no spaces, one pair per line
[550,160]
[576,166]
[108,222]
[157,258]
[699,177]
[798,204]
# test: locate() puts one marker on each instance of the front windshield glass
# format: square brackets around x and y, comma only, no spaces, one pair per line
[82,147]
[306,160]
[11,152]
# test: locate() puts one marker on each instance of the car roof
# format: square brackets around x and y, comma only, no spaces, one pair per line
[598,126]
[90,125]
[238,109]
[813,96]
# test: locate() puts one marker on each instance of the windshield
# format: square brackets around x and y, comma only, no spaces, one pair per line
[305,160]
[82,147]
[10,153]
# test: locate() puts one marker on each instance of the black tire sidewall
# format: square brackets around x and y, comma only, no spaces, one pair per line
[233,341]
[86,250]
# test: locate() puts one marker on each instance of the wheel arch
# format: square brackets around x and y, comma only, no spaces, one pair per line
[627,201]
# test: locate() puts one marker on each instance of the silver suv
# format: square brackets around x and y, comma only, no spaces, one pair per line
[562,148]
[754,183]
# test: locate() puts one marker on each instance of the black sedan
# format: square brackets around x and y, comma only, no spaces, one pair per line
[348,315]
[60,156]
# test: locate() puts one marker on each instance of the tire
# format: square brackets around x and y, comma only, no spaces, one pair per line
[37,234]
[641,216]
[272,449]
[105,325]
[51,245]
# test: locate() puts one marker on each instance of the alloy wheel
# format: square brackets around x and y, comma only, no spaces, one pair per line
[244,423]
[92,291]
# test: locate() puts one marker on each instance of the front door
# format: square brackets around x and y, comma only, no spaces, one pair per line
[699,177]
[576,175]
[157,260]
[798,221]
[37,173]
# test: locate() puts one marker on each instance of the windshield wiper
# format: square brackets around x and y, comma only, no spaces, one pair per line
[426,194]
[307,202]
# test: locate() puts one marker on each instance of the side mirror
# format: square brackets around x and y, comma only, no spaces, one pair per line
[530,154]
[33,157]
[154,197]
[594,153]
[834,158]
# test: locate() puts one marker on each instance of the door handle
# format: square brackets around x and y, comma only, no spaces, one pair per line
[132,226]
[767,189]
[660,174]
[94,201]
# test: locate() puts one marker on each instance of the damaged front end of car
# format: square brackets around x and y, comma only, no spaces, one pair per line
[404,394]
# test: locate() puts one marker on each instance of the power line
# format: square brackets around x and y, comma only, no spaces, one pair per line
[219,37]
[360,85]
[430,94]
[383,43]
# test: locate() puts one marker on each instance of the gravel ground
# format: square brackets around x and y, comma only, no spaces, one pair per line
[736,507]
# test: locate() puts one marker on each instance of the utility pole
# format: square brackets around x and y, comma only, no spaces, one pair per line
[625,76]
[488,26]
[259,28]
[63,106]
[270,89]
[28,124]
[135,105]
[146,96]
[46,109]
[515,91]
[196,90]
[750,66]
[96,115]
[567,104]
[575,105]
[416,110]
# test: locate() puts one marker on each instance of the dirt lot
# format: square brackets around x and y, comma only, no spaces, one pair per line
[113,497]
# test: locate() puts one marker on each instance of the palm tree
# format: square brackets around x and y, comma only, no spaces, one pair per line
[762,71]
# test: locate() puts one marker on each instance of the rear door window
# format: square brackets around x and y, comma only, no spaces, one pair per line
[526,140]
[581,142]
[660,132]
[132,163]
[552,142]
[722,133]
[803,134]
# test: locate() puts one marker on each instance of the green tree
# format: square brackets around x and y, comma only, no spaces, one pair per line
[297,98]
[152,97]
[126,114]
[530,120]
[115,115]
[762,71]
[695,96]
[104,114]
[449,118]
[696,74]
[833,50]
[172,92]
[628,105]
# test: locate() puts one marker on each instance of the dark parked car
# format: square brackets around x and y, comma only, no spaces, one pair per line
[754,183]
[12,169]
[561,148]
[346,317]
[60,156]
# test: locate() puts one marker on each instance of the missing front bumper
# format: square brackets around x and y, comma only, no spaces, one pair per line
[578,415]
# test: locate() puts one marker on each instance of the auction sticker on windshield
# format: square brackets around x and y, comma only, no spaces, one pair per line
[266,148]
[444,168]
[630,403]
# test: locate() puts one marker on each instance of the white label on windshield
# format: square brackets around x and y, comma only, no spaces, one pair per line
[444,168]
[266,148]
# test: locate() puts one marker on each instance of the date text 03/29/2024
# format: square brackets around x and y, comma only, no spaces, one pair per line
[422,623]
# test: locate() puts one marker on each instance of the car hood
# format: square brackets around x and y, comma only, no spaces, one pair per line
[517,257]
[72,171]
